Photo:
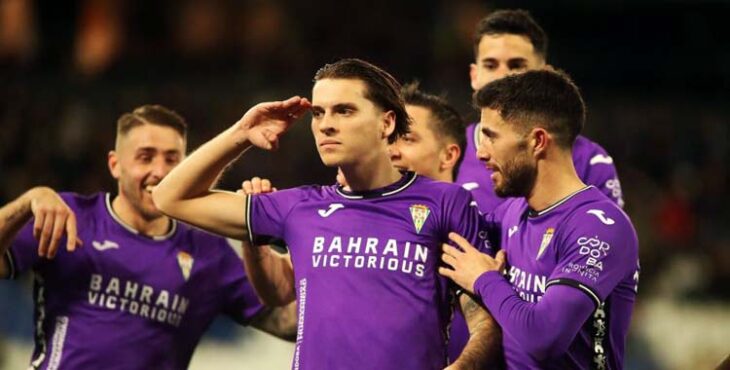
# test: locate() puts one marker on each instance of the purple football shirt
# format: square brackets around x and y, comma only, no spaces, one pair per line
[592,163]
[366,269]
[585,243]
[127,301]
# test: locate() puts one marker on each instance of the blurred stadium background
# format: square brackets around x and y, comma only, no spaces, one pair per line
[655,75]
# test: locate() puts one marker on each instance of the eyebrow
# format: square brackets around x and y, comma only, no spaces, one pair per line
[487,132]
[515,59]
[150,149]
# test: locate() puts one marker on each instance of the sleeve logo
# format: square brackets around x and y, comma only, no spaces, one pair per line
[600,158]
[601,216]
[419,214]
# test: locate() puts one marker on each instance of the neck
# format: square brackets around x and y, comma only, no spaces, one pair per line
[371,173]
[445,176]
[151,227]
[556,179]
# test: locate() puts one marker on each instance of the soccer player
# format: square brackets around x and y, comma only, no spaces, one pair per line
[572,253]
[434,145]
[142,290]
[364,258]
[508,42]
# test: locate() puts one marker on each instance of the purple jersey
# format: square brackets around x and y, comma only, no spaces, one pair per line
[366,269]
[592,163]
[584,242]
[127,301]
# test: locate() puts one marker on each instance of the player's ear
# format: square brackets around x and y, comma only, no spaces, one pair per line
[113,163]
[449,156]
[539,139]
[388,124]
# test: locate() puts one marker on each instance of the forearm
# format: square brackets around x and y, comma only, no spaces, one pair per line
[194,177]
[185,193]
[484,348]
[271,275]
[280,322]
[557,316]
[12,218]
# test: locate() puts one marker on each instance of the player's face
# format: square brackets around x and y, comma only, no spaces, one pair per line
[420,150]
[501,55]
[348,128]
[505,152]
[145,155]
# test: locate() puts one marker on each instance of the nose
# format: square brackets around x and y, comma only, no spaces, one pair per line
[482,152]
[326,124]
[160,168]
[394,152]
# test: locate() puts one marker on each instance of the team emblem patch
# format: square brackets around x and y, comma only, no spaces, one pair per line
[185,261]
[419,214]
[546,238]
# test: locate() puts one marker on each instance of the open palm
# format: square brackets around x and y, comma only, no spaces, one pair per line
[264,123]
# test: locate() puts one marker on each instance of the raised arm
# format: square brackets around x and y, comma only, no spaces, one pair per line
[186,194]
[53,219]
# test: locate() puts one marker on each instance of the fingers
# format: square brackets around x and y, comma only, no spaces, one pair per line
[449,273]
[59,226]
[45,235]
[257,185]
[501,259]
[448,259]
[247,187]
[451,251]
[461,242]
[71,235]
[38,225]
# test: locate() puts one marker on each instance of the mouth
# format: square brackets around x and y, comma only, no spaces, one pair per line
[328,143]
[149,188]
[400,168]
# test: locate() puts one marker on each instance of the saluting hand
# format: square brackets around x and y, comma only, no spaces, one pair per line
[468,263]
[264,123]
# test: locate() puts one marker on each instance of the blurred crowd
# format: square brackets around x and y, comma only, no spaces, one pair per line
[654,75]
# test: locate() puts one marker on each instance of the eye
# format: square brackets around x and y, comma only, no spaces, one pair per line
[144,158]
[317,114]
[408,139]
[491,65]
[344,111]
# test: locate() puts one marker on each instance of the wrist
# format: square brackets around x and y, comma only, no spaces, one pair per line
[485,279]
[238,138]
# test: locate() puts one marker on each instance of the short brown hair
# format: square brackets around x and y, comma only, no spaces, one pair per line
[151,114]
[544,98]
[380,88]
[512,22]
[447,122]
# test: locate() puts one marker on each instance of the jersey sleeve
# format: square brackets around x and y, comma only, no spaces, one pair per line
[599,249]
[266,214]
[241,302]
[600,171]
[23,252]
[463,218]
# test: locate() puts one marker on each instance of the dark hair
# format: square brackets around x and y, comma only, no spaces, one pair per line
[153,115]
[447,122]
[512,22]
[380,88]
[544,98]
